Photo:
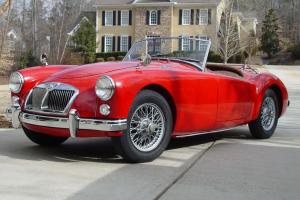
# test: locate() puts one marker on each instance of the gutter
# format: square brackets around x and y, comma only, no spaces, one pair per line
[154,5]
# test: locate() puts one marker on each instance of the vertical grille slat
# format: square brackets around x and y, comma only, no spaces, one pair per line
[59,99]
[56,100]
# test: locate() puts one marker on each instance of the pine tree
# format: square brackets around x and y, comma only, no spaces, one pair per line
[270,42]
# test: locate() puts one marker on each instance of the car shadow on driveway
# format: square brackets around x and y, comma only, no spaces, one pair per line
[93,149]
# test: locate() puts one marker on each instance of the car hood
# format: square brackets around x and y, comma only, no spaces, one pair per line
[92,69]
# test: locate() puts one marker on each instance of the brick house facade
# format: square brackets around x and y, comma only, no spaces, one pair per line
[121,22]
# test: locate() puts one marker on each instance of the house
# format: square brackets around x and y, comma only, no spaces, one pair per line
[120,22]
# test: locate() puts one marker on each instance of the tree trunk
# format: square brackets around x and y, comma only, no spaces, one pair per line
[5,30]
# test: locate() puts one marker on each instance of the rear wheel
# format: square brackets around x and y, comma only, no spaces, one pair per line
[264,126]
[43,139]
[149,128]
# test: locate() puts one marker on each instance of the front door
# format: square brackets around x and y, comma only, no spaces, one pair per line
[235,101]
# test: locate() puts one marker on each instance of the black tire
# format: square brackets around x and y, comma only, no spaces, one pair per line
[256,127]
[124,144]
[43,139]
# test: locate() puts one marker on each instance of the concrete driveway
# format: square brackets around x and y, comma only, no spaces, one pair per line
[227,165]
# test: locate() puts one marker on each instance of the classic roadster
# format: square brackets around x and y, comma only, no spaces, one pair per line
[162,89]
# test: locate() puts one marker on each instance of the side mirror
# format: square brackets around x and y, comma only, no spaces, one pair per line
[146,60]
[44,59]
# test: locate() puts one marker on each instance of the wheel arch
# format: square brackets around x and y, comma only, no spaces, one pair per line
[167,95]
[278,93]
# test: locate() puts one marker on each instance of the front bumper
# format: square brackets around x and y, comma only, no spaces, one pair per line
[73,122]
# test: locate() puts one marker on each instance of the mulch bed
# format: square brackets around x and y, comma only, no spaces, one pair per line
[4,123]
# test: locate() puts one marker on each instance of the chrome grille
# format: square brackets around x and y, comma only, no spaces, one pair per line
[59,99]
[51,97]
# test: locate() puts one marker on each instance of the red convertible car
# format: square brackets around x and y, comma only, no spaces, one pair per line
[162,89]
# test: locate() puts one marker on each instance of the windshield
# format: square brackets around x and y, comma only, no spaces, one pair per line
[187,49]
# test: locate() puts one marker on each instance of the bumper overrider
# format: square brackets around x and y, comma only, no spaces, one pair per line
[73,122]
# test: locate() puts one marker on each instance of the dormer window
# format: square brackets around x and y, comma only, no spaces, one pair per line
[153,19]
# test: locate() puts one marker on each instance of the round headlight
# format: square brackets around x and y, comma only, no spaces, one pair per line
[16,82]
[105,88]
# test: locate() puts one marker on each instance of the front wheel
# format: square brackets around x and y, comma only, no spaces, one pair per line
[43,139]
[149,128]
[264,126]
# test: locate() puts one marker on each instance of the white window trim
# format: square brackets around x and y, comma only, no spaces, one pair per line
[122,23]
[127,38]
[112,14]
[182,20]
[202,37]
[203,24]
[183,37]
[150,14]
[112,43]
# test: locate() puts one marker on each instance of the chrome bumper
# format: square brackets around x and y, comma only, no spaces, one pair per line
[12,114]
[73,123]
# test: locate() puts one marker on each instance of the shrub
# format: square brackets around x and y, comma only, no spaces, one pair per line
[110,54]
[214,57]
[74,59]
[100,60]
[238,58]
[295,50]
[120,58]
[111,59]
[90,58]
[25,60]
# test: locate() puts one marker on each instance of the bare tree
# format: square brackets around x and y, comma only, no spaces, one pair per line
[63,16]
[6,6]
[229,43]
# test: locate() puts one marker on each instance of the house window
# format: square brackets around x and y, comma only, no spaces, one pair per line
[203,44]
[108,43]
[186,17]
[109,18]
[154,44]
[185,44]
[124,17]
[153,19]
[124,43]
[203,17]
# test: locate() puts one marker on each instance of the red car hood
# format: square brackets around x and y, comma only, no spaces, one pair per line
[92,69]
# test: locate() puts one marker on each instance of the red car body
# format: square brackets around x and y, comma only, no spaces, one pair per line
[201,101]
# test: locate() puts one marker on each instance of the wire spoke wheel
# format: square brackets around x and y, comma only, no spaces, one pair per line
[268,114]
[147,127]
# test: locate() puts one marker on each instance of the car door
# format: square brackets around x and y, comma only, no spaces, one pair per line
[235,100]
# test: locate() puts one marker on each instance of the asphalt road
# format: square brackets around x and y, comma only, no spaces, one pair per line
[227,165]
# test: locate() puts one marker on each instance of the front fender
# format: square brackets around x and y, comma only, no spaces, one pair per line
[33,76]
[265,81]
[128,84]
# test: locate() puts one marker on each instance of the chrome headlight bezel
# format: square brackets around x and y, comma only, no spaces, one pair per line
[16,82]
[105,88]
